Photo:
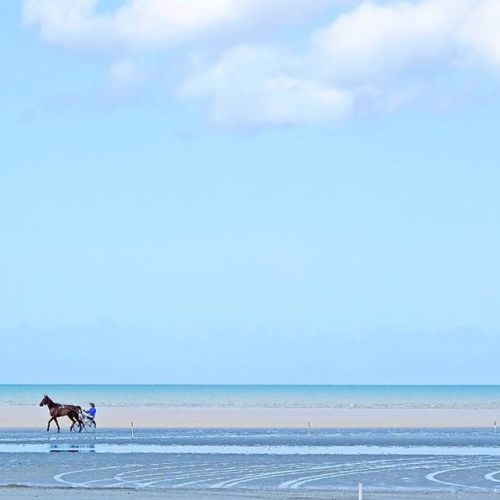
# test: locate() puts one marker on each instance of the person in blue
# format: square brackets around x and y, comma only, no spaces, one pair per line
[90,413]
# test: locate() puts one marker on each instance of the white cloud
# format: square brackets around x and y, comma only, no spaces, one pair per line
[65,22]
[140,24]
[379,41]
[376,42]
[375,57]
[481,31]
[257,85]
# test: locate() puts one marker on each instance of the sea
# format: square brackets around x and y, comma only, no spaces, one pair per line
[261,396]
[326,460]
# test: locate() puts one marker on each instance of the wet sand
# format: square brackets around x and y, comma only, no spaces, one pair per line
[263,418]
[21,493]
[118,475]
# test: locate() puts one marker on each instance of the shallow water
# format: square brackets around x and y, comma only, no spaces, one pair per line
[432,442]
[396,460]
[313,438]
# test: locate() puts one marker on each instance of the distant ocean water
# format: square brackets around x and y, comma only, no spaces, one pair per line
[259,396]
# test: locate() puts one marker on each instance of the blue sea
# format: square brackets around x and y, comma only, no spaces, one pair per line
[260,396]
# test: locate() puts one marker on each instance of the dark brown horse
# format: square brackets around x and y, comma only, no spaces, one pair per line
[57,410]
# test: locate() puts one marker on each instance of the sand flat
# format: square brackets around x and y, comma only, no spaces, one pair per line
[264,418]
[21,493]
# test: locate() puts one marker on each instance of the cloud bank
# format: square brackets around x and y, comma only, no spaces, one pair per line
[349,58]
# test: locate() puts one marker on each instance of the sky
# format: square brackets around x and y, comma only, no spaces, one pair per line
[250,191]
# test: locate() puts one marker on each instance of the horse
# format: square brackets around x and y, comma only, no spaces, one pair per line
[57,410]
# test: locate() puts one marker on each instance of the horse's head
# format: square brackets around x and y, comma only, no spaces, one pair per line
[45,400]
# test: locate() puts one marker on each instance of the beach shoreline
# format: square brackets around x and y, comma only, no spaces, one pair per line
[25,417]
[50,493]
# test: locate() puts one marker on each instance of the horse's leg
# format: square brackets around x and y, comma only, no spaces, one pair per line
[48,424]
[76,420]
[57,423]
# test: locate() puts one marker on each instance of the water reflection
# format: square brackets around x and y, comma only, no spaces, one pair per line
[72,448]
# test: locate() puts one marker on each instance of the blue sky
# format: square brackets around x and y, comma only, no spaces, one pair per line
[250,194]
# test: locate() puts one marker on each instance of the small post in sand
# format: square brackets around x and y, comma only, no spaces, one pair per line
[495,426]
[360,491]
[132,427]
[308,428]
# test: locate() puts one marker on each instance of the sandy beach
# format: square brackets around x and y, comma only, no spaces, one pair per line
[265,418]
[86,494]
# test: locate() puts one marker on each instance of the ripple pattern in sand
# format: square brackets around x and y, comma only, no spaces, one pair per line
[406,473]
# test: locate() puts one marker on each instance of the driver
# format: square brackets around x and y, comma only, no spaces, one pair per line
[90,413]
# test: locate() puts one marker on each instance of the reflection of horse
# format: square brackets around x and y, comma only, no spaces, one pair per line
[57,410]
